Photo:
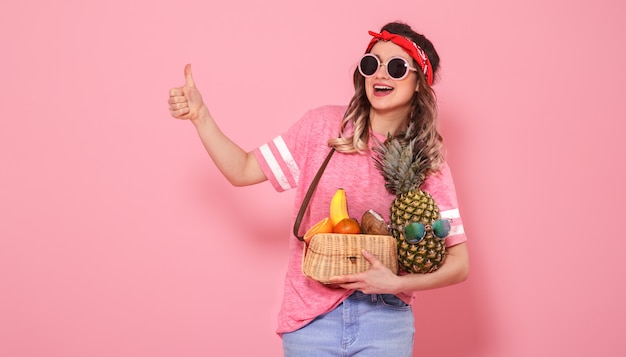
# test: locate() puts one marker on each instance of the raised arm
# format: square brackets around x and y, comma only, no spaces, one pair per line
[238,166]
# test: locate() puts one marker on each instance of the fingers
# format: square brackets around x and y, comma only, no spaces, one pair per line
[179,113]
[371,258]
[188,77]
[344,279]
[177,99]
[351,278]
[176,92]
[178,104]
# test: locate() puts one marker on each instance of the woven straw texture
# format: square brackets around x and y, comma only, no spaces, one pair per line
[330,254]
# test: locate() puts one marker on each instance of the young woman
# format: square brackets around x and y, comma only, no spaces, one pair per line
[369,313]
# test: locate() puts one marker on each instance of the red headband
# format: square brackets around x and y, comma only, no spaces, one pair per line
[409,47]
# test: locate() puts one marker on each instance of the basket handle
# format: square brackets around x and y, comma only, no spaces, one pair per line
[307,197]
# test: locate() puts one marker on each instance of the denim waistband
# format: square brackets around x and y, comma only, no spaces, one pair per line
[360,295]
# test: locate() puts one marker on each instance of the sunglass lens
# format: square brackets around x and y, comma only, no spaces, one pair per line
[397,68]
[441,228]
[368,65]
[414,232]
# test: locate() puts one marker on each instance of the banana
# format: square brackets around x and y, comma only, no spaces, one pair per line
[338,207]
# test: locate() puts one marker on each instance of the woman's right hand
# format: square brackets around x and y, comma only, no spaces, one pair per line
[186,102]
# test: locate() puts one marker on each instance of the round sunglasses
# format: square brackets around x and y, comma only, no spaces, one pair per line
[414,232]
[397,67]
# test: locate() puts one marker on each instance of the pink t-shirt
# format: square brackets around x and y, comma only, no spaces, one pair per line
[291,160]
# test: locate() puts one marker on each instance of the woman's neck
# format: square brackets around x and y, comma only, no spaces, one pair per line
[388,123]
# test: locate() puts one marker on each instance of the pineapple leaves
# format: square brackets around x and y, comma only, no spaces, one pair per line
[403,167]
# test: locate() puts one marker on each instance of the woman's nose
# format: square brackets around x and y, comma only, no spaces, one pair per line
[381,71]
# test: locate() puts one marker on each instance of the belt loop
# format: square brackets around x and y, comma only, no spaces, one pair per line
[374,297]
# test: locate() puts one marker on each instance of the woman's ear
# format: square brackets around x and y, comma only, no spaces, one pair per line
[417,86]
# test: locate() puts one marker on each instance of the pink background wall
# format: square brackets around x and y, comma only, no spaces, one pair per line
[118,237]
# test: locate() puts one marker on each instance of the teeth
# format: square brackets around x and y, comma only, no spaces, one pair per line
[382,88]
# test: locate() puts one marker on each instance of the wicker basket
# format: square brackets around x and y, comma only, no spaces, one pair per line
[333,254]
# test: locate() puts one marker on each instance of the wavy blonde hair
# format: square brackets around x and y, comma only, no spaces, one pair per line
[423,108]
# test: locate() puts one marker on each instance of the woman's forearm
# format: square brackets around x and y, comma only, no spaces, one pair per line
[454,270]
[238,166]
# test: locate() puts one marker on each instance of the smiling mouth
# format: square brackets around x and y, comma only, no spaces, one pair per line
[382,89]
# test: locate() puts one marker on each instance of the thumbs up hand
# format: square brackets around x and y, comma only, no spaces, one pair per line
[186,102]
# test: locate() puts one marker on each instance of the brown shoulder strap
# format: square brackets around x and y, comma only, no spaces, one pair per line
[309,193]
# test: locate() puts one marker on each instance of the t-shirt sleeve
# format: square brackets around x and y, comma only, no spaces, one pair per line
[282,157]
[441,187]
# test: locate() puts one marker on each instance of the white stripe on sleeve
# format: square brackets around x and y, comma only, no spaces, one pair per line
[450,214]
[453,214]
[286,155]
[454,230]
[274,166]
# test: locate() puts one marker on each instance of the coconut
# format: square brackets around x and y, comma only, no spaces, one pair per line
[373,223]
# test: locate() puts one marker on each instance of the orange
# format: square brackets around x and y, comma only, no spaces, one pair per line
[347,226]
[323,226]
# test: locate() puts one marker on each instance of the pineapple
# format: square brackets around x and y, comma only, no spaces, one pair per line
[414,216]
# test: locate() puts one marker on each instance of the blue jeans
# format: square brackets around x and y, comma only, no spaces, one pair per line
[363,325]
